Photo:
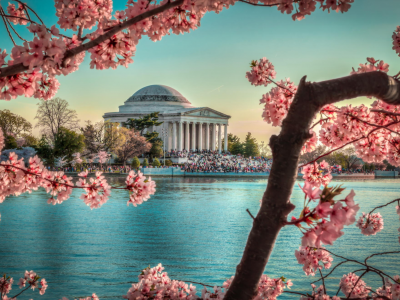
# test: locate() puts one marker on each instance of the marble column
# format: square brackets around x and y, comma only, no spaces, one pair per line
[180,136]
[173,135]
[213,136]
[193,139]
[200,147]
[225,137]
[169,143]
[219,138]
[207,136]
[187,137]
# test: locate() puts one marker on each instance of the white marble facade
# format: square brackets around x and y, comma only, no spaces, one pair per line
[186,127]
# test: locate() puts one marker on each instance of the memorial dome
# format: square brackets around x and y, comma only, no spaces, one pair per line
[157,93]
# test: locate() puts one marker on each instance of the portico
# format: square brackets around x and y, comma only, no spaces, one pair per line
[187,127]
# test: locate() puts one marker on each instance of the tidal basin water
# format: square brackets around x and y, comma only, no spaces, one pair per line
[196,227]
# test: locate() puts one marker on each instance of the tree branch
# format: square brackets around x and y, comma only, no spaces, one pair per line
[18,68]
[286,147]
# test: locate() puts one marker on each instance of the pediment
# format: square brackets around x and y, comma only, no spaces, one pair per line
[206,112]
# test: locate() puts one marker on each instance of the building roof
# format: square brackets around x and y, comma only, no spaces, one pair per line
[157,93]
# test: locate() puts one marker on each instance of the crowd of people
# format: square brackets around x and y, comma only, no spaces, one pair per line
[211,161]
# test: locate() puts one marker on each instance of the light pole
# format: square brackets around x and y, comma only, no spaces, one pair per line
[164,134]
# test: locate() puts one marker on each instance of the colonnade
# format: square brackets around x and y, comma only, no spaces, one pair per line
[195,135]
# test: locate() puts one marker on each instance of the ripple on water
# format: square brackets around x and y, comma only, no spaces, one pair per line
[196,227]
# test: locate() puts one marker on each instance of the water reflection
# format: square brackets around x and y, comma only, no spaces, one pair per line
[196,227]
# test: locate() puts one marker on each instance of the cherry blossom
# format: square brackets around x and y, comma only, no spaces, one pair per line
[354,287]
[311,258]
[370,224]
[391,290]
[317,174]
[16,179]
[326,220]
[30,278]
[261,72]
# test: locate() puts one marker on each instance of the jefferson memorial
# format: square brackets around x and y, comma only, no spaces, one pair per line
[184,127]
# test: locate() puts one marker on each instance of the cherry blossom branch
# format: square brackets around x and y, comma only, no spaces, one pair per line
[12,27]
[30,20]
[263,5]
[28,7]
[286,147]
[30,284]
[18,68]
[6,25]
[38,175]
[385,112]
[391,202]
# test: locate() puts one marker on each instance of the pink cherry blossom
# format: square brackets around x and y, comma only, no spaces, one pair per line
[350,289]
[311,258]
[370,224]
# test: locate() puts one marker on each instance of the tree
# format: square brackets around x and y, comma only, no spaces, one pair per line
[264,149]
[10,142]
[13,124]
[156,163]
[134,145]
[145,122]
[102,136]
[145,163]
[156,148]
[135,164]
[68,142]
[168,162]
[54,114]
[45,151]
[250,146]
[234,145]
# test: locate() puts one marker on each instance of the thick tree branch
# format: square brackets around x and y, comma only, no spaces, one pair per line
[286,147]
[377,84]
[18,68]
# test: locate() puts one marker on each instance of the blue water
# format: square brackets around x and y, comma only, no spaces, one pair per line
[196,227]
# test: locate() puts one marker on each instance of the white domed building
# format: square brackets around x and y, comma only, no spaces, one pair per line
[186,127]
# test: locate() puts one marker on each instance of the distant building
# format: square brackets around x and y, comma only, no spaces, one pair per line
[187,127]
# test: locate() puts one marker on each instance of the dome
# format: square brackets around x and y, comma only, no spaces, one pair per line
[157,93]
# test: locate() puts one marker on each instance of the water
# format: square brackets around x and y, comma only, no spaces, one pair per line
[196,227]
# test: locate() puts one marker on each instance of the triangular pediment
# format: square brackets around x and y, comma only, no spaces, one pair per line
[206,112]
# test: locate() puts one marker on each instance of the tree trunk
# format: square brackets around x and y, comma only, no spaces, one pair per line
[286,147]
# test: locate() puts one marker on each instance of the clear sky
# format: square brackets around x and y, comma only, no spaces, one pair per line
[208,65]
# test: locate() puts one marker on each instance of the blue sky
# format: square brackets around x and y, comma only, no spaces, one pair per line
[208,65]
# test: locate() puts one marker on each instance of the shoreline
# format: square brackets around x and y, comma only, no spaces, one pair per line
[171,172]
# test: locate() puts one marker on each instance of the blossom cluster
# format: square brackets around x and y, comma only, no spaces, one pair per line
[352,286]
[47,54]
[261,72]
[327,219]
[17,11]
[16,178]
[97,189]
[277,102]
[153,283]
[370,224]
[389,290]
[396,40]
[139,187]
[311,258]
[316,174]
[30,278]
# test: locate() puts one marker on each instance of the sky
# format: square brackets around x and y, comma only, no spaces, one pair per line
[208,65]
